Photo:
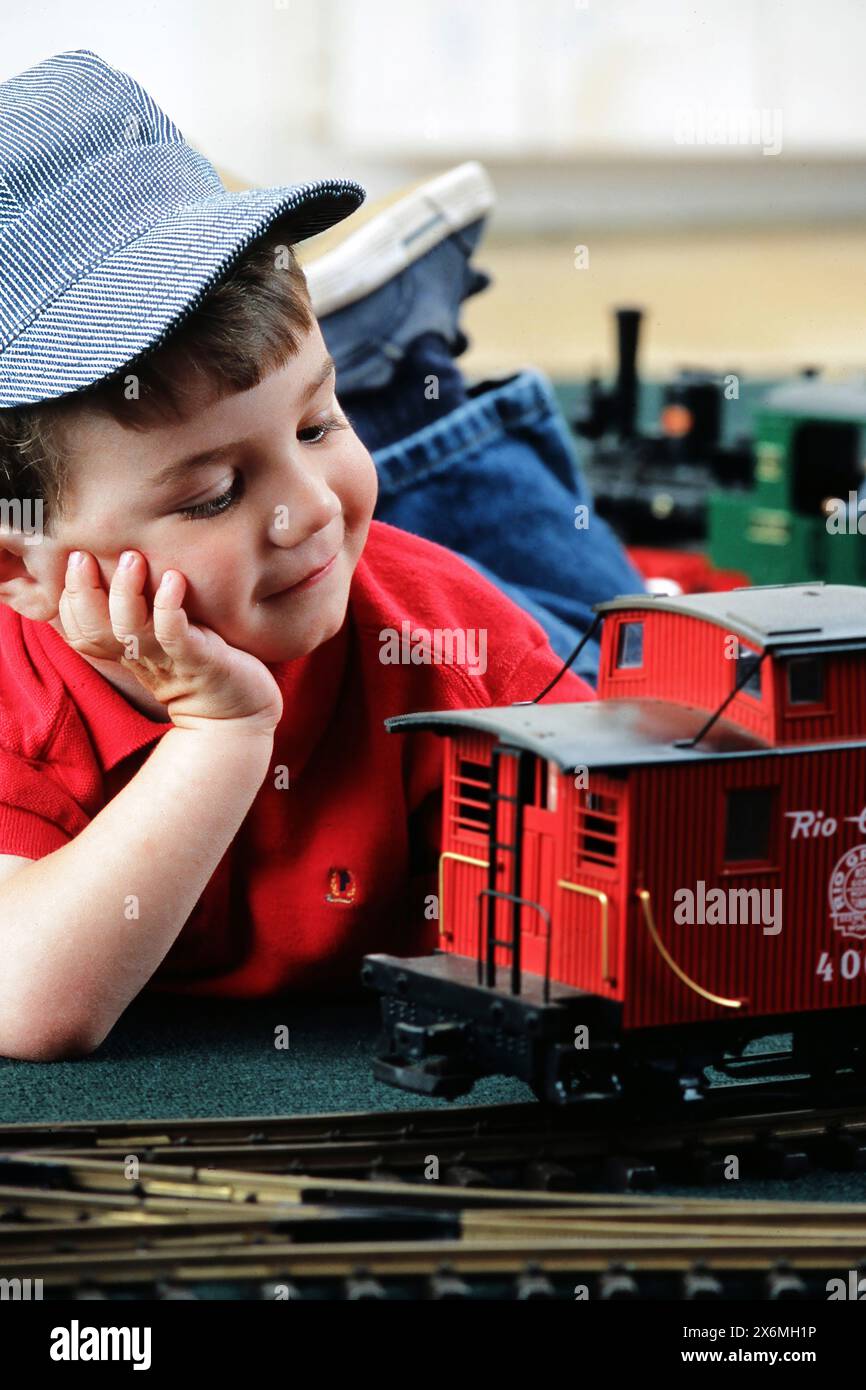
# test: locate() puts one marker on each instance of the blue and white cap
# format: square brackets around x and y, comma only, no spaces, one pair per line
[112,228]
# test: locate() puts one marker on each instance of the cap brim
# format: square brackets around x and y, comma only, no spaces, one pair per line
[138,294]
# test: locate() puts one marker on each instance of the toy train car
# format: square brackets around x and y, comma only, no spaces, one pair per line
[802,513]
[635,888]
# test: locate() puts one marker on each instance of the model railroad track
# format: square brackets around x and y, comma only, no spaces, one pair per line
[175,1231]
[525,1146]
[537,1266]
[346,1206]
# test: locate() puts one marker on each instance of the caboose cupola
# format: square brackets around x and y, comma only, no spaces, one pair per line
[788,662]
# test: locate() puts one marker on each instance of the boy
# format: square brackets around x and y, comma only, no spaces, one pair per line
[196,649]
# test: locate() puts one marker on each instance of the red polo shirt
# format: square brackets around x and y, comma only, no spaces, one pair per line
[334,865]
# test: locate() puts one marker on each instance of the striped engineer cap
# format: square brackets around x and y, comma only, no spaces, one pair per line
[112,228]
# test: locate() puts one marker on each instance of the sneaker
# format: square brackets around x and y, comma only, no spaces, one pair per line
[361,253]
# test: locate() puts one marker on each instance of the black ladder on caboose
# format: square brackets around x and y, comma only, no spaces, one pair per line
[514,848]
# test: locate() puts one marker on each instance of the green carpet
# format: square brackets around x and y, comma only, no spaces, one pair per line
[172,1057]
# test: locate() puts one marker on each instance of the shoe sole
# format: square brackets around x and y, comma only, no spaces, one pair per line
[393,237]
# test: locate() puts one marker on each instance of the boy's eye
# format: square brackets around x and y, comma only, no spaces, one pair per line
[321,430]
[317,434]
[214,505]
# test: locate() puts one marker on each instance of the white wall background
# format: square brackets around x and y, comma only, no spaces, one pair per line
[574,105]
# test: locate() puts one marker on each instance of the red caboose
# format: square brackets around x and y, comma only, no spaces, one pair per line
[634,888]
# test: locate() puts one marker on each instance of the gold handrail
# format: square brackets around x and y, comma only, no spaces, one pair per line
[604,900]
[668,959]
[463,859]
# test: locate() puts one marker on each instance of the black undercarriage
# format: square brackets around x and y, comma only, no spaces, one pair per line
[442,1030]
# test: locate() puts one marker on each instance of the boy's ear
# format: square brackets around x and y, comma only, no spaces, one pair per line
[23,580]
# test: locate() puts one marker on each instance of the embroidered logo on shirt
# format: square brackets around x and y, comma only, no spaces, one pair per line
[342,886]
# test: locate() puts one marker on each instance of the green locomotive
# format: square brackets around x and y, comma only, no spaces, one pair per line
[803,516]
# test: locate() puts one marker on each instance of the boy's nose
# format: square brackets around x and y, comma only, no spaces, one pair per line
[305,531]
[298,521]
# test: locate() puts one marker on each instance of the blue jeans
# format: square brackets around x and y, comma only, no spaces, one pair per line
[491,470]
[497,481]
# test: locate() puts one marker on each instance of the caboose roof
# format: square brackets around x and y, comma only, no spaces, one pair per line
[595,733]
[782,618]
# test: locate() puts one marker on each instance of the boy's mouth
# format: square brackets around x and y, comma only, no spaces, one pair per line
[310,578]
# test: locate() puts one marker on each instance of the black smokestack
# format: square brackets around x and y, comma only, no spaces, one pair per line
[627,333]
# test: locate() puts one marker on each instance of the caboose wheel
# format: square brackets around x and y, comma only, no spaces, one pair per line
[568,1078]
[647,1087]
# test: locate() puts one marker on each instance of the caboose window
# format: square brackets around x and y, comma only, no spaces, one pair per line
[749,670]
[535,781]
[629,651]
[805,680]
[596,828]
[747,824]
[472,808]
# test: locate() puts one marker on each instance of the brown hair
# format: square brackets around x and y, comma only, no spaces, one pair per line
[244,329]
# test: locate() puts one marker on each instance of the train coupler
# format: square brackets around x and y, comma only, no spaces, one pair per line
[417,1040]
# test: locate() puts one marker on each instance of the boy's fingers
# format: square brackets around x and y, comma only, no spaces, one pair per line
[172,631]
[186,645]
[170,624]
[119,626]
[67,617]
[127,605]
[84,609]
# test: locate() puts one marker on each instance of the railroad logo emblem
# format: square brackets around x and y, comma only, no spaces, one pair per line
[847,893]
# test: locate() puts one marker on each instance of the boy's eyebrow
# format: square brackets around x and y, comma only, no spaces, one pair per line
[173,471]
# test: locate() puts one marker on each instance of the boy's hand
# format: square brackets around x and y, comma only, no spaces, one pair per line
[199,678]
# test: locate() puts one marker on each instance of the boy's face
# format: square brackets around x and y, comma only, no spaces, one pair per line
[292,488]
